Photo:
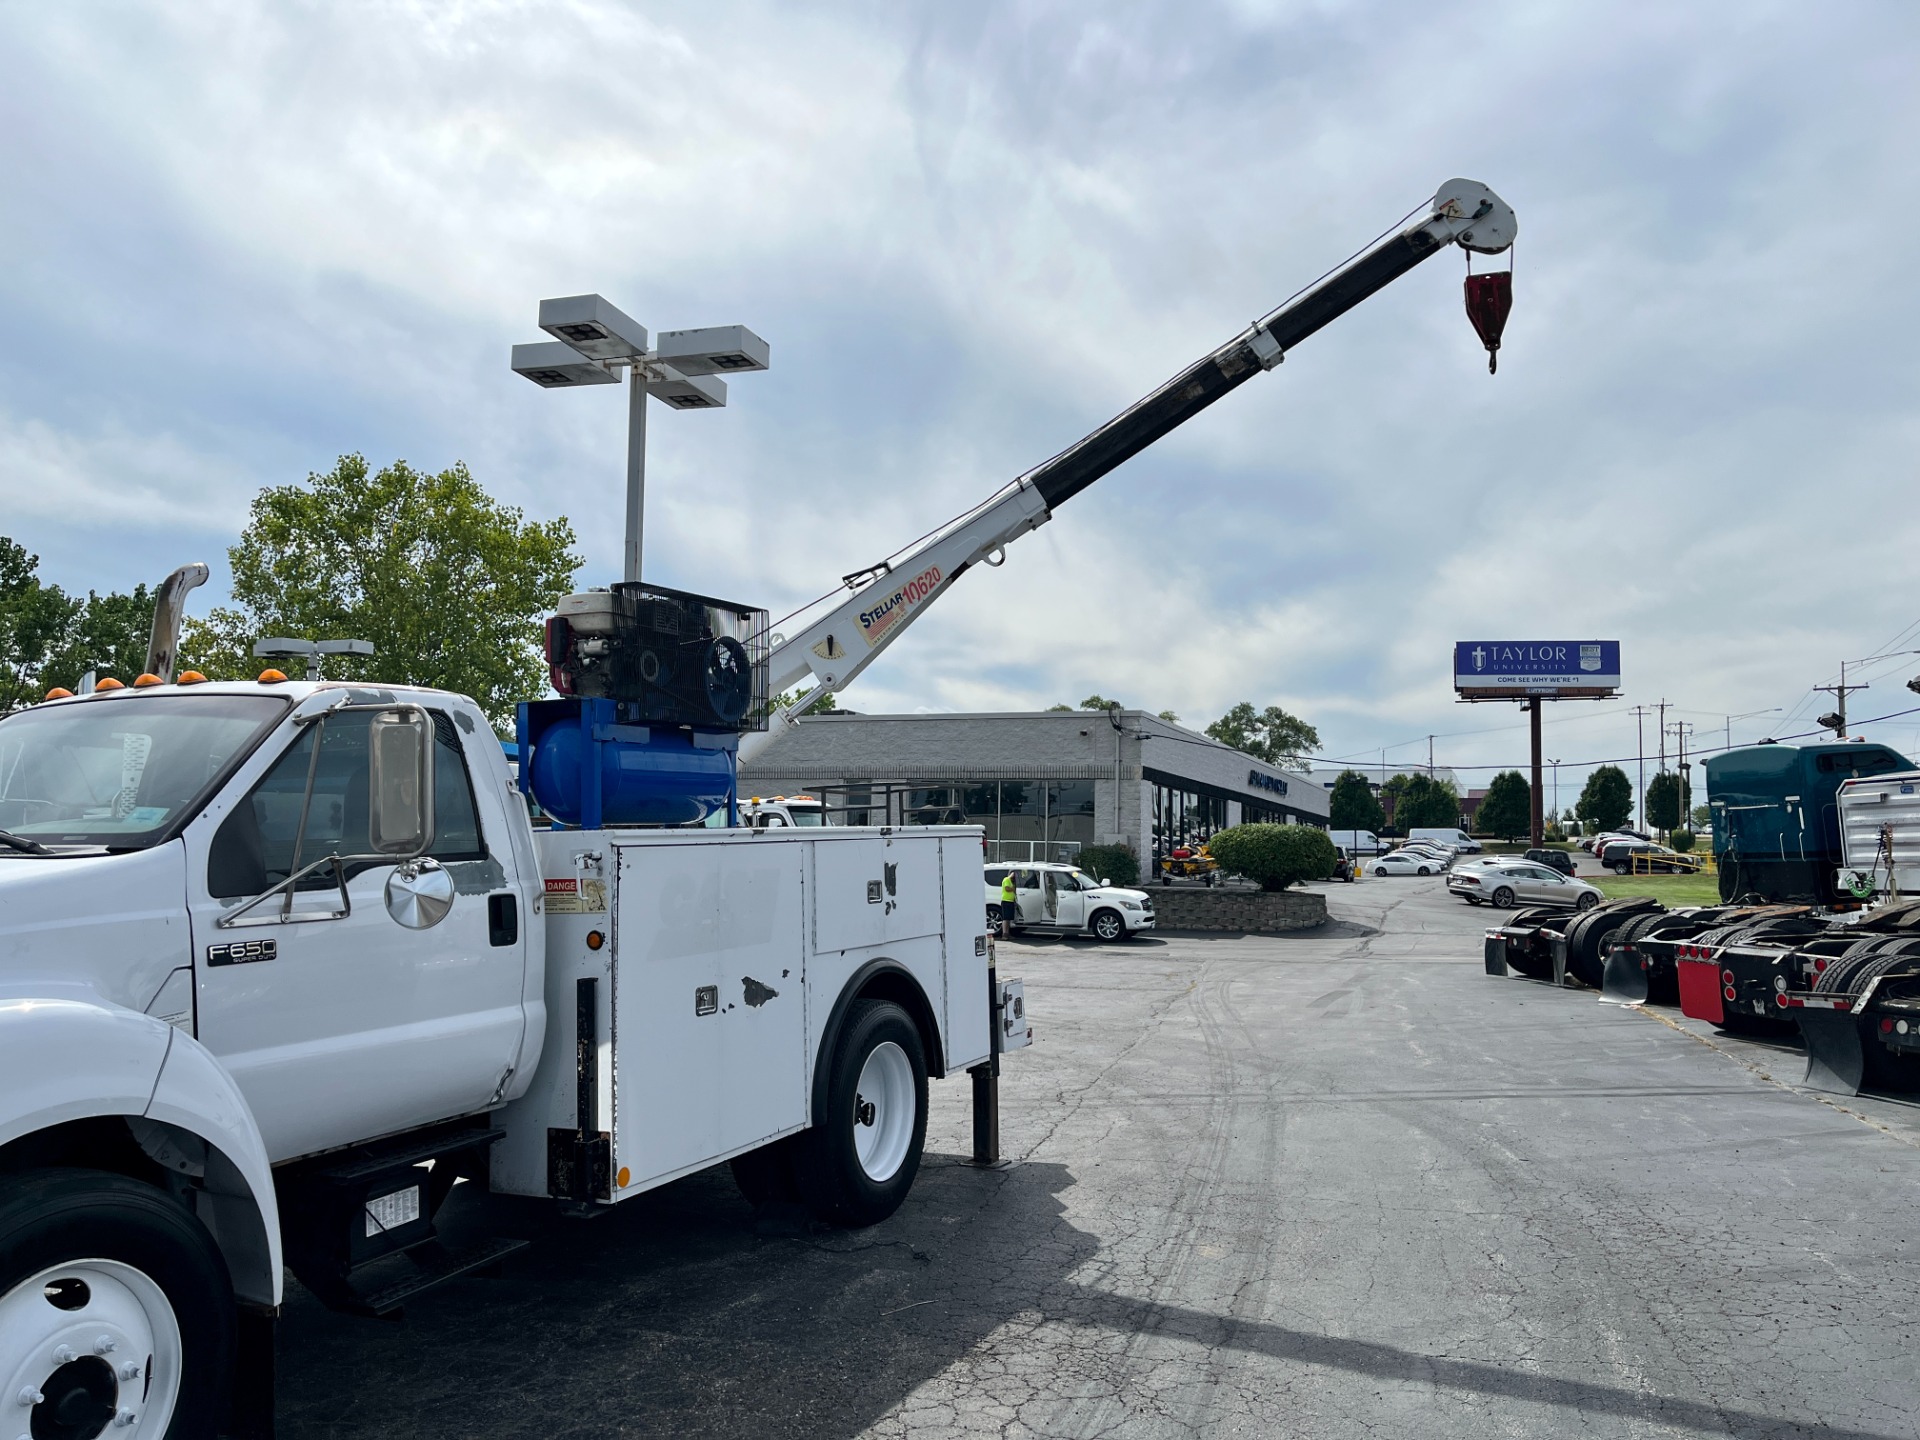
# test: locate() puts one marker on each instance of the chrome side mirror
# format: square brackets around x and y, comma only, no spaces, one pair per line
[419,893]
[400,756]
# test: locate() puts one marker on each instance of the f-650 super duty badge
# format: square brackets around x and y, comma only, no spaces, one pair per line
[242,952]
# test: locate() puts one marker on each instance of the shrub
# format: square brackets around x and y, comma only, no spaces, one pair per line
[1109,862]
[1275,856]
[1682,840]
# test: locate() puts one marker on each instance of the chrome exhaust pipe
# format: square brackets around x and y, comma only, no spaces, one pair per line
[169,606]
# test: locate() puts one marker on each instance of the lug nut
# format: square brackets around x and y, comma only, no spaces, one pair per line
[30,1396]
[125,1417]
[130,1370]
[66,1355]
[104,1345]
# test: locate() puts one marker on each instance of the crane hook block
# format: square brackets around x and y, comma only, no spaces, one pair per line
[1489,300]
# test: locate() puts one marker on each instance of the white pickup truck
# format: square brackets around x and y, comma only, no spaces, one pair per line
[281,962]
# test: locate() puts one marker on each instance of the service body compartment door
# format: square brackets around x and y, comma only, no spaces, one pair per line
[869,890]
[709,1024]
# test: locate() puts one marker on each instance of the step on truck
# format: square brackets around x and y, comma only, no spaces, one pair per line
[282,963]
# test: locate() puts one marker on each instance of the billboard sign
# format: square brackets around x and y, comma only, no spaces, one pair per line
[1515,669]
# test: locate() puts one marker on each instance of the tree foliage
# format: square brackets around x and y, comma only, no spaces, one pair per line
[1422,800]
[1271,735]
[1668,800]
[1606,800]
[1275,856]
[49,638]
[1353,805]
[448,584]
[1507,808]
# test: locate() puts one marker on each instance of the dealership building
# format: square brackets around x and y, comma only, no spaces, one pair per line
[1043,784]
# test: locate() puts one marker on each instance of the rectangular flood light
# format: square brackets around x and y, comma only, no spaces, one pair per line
[689,392]
[557,366]
[717,350]
[593,327]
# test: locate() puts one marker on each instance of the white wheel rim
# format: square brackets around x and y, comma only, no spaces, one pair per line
[97,1342]
[884,1112]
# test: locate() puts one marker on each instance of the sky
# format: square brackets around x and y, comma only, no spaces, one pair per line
[243,239]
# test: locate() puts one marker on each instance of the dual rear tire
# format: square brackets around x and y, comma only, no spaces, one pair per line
[856,1164]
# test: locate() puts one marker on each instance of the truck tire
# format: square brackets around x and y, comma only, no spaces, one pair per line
[93,1251]
[1108,926]
[859,1160]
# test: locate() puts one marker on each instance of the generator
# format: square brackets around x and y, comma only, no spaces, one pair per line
[665,657]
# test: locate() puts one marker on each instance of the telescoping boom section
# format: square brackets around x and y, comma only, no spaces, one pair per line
[848,631]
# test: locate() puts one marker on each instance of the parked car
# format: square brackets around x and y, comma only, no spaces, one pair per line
[1558,859]
[1521,882]
[1067,900]
[1643,857]
[1447,834]
[1439,854]
[1402,862]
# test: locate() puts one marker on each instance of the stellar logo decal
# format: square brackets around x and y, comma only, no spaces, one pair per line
[877,620]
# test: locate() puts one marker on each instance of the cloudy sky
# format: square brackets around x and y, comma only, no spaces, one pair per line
[243,239]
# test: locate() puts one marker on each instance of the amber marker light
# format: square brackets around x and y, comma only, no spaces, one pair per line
[141,682]
[595,939]
[59,692]
[109,684]
[191,677]
[272,677]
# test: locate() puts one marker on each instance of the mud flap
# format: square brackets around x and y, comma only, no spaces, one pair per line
[1624,981]
[1836,1060]
[1495,955]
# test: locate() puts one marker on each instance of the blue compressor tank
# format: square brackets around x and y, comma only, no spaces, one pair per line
[664,780]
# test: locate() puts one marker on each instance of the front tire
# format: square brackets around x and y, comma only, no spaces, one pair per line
[1107,926]
[88,1250]
[859,1160]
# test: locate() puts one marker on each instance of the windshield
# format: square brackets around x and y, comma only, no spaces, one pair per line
[806,815]
[1086,881]
[119,772]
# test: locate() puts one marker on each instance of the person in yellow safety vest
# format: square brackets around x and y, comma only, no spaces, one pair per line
[1009,905]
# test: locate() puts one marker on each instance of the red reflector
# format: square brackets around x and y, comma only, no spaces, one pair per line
[1726,977]
[1705,952]
[1886,1027]
[1819,967]
[1729,993]
[1843,1005]
[1796,1000]
[1780,1000]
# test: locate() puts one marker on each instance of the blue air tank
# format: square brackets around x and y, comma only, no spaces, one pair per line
[665,780]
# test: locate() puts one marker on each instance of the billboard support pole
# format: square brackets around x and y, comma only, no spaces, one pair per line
[1539,830]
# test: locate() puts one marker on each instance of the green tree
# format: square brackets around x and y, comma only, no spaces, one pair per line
[1271,735]
[448,584]
[108,635]
[1100,702]
[1422,800]
[1059,709]
[1352,806]
[1667,799]
[1606,800]
[1169,717]
[1507,809]
[1702,817]
[35,620]
[1109,862]
[1275,856]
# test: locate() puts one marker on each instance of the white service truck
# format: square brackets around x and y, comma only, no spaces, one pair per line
[281,963]
[266,950]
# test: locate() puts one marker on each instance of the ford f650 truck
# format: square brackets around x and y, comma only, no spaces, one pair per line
[281,962]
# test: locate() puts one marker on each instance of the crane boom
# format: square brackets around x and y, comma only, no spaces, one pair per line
[830,649]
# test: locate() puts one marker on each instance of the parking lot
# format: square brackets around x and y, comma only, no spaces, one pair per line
[1329,1184]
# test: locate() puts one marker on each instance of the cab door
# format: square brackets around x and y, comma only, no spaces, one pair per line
[339,1023]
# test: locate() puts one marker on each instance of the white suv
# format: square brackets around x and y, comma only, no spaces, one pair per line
[1063,899]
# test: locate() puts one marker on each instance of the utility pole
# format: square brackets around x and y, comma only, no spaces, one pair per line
[1840,693]
[1640,713]
[1680,729]
[1429,757]
[1556,790]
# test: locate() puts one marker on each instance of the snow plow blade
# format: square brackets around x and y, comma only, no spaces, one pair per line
[1836,1060]
[1495,955]
[1624,981]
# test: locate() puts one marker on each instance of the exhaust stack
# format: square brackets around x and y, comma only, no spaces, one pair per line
[170,603]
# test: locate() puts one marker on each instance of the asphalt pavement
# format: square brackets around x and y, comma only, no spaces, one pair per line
[1327,1184]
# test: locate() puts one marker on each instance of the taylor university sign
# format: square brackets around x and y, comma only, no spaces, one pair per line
[1512,669]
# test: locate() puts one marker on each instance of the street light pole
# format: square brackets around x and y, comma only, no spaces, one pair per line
[1640,713]
[636,471]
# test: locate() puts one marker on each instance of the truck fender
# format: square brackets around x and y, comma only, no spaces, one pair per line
[69,1060]
[197,1104]
[876,980]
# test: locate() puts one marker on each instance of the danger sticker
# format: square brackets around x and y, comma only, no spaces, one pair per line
[576,897]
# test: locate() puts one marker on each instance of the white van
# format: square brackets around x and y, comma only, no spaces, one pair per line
[1357,842]
[1446,835]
